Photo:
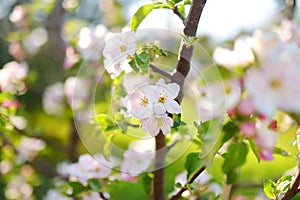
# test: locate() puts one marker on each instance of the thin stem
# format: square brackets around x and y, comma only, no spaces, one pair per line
[159,180]
[190,181]
[102,196]
[73,142]
[294,187]
[156,69]
[176,11]
[290,7]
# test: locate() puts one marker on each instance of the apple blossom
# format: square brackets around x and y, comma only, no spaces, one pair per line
[54,194]
[247,129]
[77,91]
[117,47]
[53,99]
[28,148]
[241,55]
[19,188]
[87,168]
[18,121]
[135,163]
[89,39]
[246,107]
[11,77]
[91,196]
[155,123]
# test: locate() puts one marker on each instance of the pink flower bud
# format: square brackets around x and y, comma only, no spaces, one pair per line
[246,107]
[8,104]
[247,129]
[273,125]
[266,154]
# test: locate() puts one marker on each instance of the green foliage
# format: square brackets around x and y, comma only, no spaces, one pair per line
[235,157]
[105,122]
[107,146]
[140,15]
[280,151]
[273,190]
[230,129]
[95,184]
[192,163]
[77,188]
[189,41]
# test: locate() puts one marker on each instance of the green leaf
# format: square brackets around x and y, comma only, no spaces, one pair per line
[178,185]
[95,184]
[192,163]
[284,183]
[230,129]
[142,60]
[254,150]
[132,64]
[147,180]
[269,188]
[280,151]
[189,41]
[177,121]
[235,157]
[140,15]
[77,188]
[107,145]
[105,122]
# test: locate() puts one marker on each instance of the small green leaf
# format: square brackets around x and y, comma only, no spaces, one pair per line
[269,188]
[105,122]
[178,185]
[192,163]
[147,180]
[77,188]
[254,150]
[142,60]
[189,41]
[132,64]
[140,15]
[282,152]
[230,129]
[235,157]
[95,184]
[107,145]
[284,183]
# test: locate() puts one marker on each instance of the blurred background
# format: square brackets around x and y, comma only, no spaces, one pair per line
[49,40]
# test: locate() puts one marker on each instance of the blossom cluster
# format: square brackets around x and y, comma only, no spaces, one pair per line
[152,104]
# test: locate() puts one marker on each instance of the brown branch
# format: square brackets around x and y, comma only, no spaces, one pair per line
[294,188]
[73,142]
[102,196]
[182,70]
[190,30]
[190,181]
[156,69]
[159,180]
[176,11]
[290,8]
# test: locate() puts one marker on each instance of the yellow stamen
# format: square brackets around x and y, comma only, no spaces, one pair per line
[144,101]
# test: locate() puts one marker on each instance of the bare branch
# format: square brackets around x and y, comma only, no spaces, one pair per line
[176,11]
[156,69]
[190,181]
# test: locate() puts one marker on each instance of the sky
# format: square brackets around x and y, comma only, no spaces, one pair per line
[221,19]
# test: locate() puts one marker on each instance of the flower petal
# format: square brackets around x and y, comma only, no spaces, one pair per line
[172,106]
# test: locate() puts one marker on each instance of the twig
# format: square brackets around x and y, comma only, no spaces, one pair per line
[190,30]
[159,180]
[102,196]
[176,11]
[73,142]
[294,188]
[190,181]
[156,69]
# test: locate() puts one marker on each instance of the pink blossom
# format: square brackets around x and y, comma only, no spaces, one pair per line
[117,47]
[247,129]
[266,154]
[53,99]
[246,107]
[138,104]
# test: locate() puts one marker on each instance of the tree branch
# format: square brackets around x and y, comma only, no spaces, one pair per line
[158,180]
[192,179]
[182,70]
[176,11]
[156,69]
[289,10]
[190,30]
[73,142]
[294,188]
